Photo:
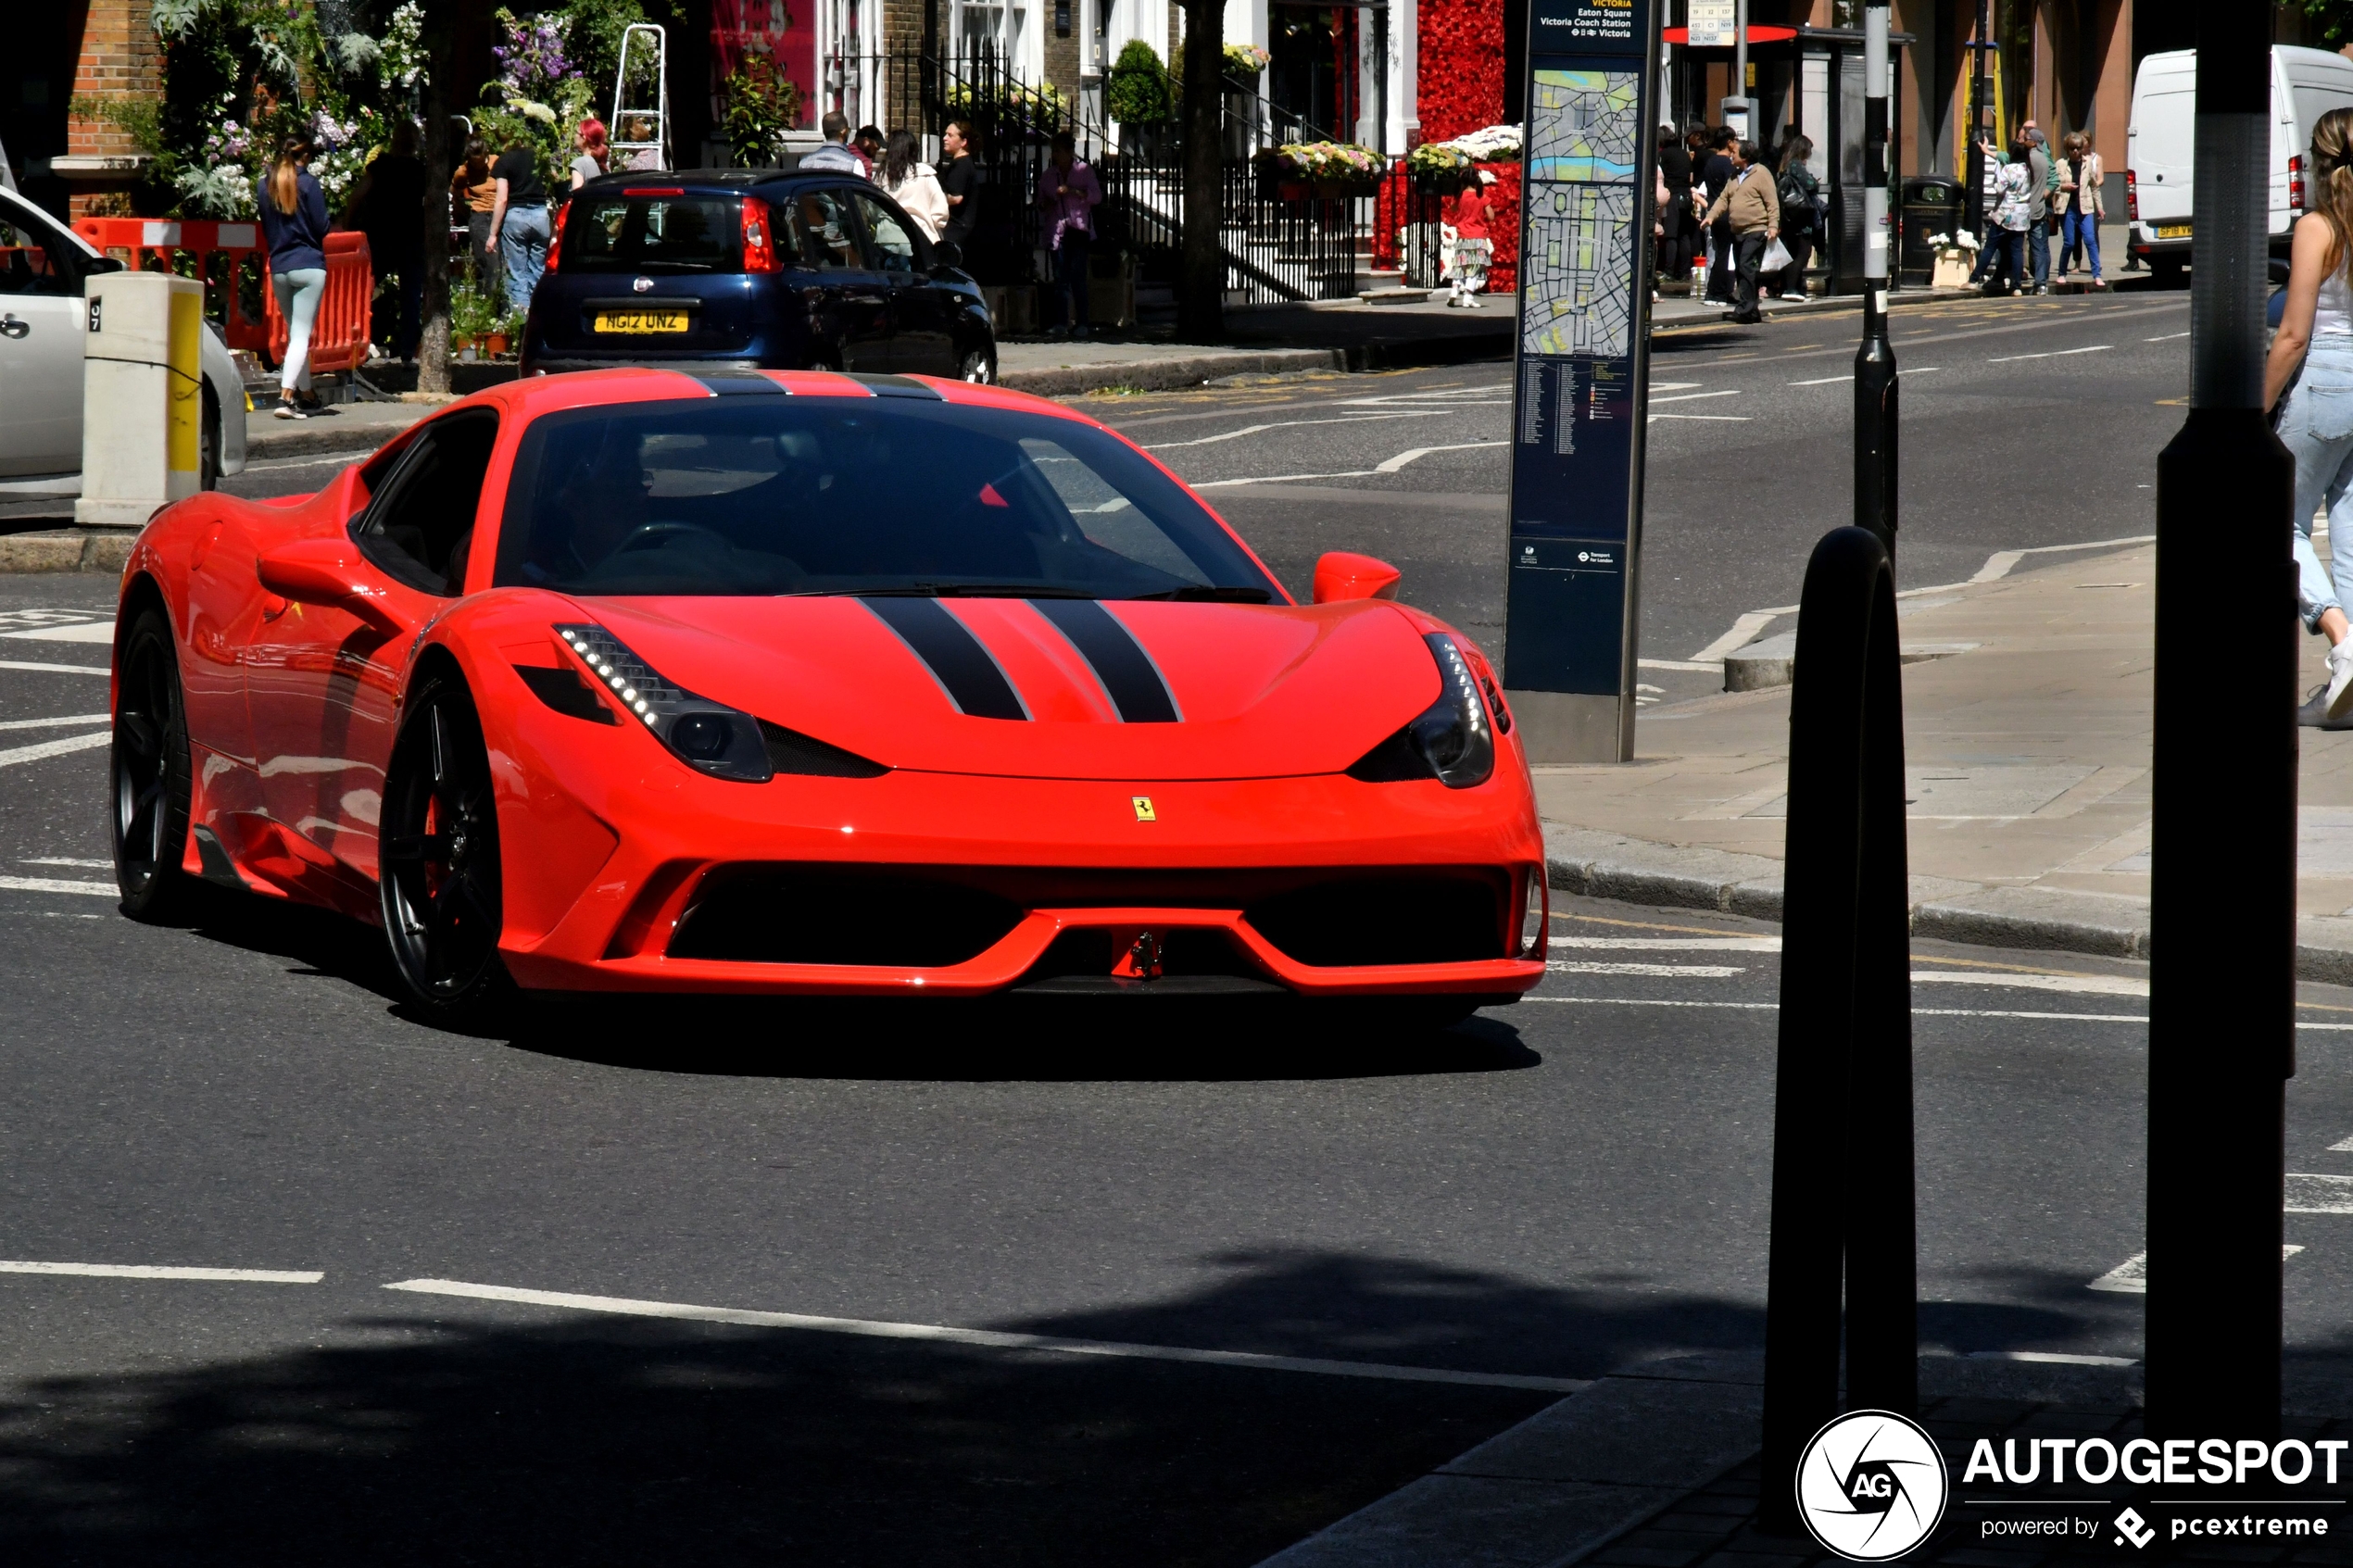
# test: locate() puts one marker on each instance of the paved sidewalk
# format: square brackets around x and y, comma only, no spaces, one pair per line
[2027,766]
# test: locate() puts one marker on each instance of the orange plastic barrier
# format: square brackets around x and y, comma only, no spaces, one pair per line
[339,332]
[129,240]
[339,335]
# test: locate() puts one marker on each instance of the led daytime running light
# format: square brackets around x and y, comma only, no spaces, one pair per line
[720,741]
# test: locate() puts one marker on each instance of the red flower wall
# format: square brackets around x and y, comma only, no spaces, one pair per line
[1393,208]
[1459,45]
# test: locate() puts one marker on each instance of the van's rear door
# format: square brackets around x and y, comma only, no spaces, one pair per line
[2164,139]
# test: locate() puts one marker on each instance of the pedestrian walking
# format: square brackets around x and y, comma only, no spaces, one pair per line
[2082,205]
[1990,227]
[1751,210]
[2041,186]
[2307,382]
[2002,267]
[1068,193]
[959,175]
[1463,230]
[519,217]
[835,155]
[474,192]
[593,156]
[1715,176]
[294,225]
[913,184]
[1674,206]
[389,206]
[1799,190]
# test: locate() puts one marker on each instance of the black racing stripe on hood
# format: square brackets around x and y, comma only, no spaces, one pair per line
[1118,660]
[740,384]
[965,670]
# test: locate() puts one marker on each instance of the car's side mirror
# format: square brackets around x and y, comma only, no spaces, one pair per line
[321,571]
[946,255]
[1344,574]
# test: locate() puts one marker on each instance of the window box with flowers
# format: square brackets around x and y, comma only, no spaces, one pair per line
[1299,170]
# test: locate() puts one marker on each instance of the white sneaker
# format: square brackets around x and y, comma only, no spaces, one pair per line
[1798,297]
[2339,698]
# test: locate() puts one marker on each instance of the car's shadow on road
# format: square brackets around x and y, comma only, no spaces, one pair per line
[1127,1038]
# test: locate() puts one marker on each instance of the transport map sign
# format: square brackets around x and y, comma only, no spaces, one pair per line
[1583,369]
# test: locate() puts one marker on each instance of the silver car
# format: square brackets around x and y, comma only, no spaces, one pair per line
[43,266]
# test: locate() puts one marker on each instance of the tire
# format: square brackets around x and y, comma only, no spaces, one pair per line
[149,768]
[208,444]
[2165,272]
[979,367]
[439,880]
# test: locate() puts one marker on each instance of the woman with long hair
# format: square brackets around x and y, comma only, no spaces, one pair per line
[294,223]
[595,156]
[472,185]
[906,179]
[1799,189]
[2308,379]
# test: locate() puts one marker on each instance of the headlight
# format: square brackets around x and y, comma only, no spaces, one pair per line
[708,736]
[1452,740]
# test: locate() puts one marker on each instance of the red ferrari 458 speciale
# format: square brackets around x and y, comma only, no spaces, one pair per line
[750,682]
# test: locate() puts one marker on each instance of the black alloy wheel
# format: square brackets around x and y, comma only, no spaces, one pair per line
[980,368]
[439,877]
[151,774]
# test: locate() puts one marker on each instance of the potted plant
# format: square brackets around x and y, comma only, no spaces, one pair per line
[1136,94]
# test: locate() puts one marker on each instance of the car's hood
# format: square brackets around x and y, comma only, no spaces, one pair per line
[1115,690]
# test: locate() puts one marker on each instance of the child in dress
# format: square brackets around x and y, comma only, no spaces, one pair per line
[1469,247]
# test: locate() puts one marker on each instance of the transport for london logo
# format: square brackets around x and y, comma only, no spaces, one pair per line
[1872,1486]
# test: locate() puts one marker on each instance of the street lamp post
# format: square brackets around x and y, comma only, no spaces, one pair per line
[1875,360]
[2222,1004]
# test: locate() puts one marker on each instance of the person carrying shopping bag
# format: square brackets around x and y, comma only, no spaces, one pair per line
[1749,205]
[294,225]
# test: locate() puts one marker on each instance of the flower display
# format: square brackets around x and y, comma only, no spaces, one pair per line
[1327,161]
[1459,47]
[1496,143]
[532,61]
[1245,60]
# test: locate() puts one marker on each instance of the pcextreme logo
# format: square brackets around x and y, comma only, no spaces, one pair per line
[1872,1486]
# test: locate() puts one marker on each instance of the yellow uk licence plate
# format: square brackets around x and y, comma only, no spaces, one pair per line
[643,321]
[2173,231]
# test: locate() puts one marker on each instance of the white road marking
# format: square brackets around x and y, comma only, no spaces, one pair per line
[1278,425]
[58,885]
[1672,385]
[63,860]
[2131,1277]
[1824,381]
[2309,1194]
[2052,354]
[47,723]
[1689,396]
[2169,337]
[1388,465]
[2060,1357]
[1717,667]
[151,1271]
[2344,1147]
[1663,971]
[987,1339]
[1672,943]
[55,748]
[2080,984]
[1917,1012]
[1714,419]
[101,632]
[56,669]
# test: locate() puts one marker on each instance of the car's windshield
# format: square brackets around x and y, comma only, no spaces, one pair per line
[853,495]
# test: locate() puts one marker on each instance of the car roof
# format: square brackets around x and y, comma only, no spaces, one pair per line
[532,396]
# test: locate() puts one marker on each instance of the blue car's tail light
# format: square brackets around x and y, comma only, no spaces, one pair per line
[708,736]
[1452,740]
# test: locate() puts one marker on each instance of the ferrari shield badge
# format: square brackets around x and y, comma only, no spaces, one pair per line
[1143,808]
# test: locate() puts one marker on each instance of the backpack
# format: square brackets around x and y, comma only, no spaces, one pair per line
[1796,193]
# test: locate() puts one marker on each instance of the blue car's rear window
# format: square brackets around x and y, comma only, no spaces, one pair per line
[616,232]
[853,494]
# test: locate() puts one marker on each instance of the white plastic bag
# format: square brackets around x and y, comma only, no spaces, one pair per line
[1776,257]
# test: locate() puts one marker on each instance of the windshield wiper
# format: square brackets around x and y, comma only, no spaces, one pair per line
[1212,594]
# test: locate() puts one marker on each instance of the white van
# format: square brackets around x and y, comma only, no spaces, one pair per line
[2305,84]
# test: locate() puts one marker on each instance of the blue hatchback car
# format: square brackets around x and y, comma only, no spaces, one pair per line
[752,269]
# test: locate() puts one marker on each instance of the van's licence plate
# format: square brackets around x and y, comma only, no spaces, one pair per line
[643,321]
[2173,231]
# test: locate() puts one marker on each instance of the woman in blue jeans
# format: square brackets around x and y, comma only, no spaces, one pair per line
[2312,353]
[294,222]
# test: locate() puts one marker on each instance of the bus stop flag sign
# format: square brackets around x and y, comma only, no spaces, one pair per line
[1582,377]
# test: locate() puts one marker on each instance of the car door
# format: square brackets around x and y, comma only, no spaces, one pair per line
[324,684]
[850,301]
[920,343]
[40,346]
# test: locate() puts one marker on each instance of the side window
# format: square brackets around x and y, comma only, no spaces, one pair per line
[828,235]
[30,261]
[420,527]
[894,251]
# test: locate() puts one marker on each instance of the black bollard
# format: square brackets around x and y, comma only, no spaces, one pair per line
[1843,1199]
[2221,1007]
[1875,360]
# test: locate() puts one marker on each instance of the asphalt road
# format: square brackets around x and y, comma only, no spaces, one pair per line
[1463,1221]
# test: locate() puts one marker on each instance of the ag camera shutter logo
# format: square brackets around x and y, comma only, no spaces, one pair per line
[1872,1486]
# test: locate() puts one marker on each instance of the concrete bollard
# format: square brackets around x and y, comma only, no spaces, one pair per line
[142,396]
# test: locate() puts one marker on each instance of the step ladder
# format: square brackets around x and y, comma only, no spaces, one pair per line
[640,134]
